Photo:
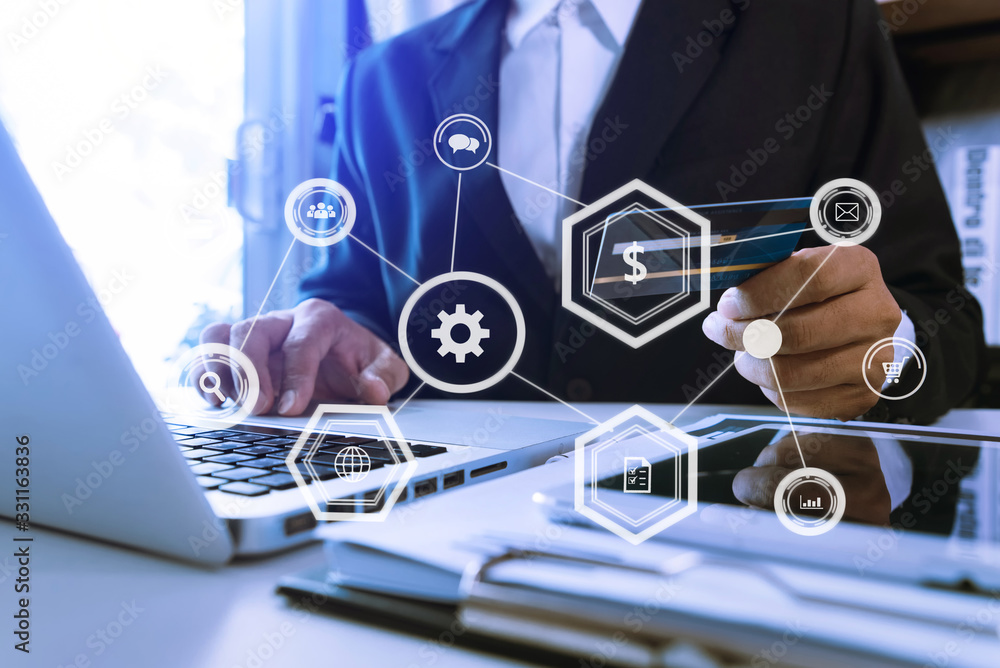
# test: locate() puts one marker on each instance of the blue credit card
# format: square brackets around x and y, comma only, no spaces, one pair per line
[745,239]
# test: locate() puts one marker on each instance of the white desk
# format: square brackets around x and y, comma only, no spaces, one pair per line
[193,618]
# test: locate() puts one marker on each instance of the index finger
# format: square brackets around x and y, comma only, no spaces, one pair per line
[809,276]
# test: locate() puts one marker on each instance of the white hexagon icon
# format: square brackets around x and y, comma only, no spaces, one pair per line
[343,478]
[636,474]
[636,263]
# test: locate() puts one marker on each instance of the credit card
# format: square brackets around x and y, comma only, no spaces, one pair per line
[745,239]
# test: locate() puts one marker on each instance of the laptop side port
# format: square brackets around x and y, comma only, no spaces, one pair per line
[425,487]
[295,524]
[486,470]
[453,479]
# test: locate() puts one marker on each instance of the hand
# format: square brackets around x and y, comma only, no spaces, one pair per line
[312,351]
[826,331]
[852,460]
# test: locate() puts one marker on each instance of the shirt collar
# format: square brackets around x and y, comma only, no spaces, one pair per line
[618,17]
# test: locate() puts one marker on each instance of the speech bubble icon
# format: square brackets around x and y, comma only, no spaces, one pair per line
[473,144]
[459,141]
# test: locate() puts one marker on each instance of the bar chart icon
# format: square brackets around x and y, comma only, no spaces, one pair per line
[811,504]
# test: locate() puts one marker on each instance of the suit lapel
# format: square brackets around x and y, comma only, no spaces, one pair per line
[470,49]
[658,78]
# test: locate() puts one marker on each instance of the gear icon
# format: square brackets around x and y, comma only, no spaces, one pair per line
[450,345]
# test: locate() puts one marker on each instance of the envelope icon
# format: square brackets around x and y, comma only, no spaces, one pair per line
[846,212]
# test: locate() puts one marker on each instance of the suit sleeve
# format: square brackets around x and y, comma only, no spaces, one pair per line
[350,275]
[874,135]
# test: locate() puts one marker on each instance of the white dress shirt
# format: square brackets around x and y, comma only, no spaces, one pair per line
[559,59]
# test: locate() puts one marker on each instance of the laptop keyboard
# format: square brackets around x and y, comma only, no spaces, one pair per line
[250,460]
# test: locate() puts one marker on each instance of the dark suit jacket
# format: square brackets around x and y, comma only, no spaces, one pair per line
[687,108]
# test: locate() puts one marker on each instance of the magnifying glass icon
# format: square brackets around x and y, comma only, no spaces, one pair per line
[210,384]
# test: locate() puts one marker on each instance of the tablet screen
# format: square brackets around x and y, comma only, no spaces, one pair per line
[945,485]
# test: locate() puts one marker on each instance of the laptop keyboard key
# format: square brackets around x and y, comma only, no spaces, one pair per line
[241,473]
[228,458]
[322,472]
[245,489]
[278,442]
[245,438]
[276,481]
[208,482]
[198,453]
[197,442]
[208,468]
[258,450]
[184,431]
[225,446]
[351,440]
[263,462]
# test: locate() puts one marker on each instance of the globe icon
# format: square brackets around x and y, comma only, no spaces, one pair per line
[352,464]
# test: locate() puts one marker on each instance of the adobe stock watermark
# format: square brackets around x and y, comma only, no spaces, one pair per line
[33,24]
[39,358]
[775,653]
[208,205]
[899,15]
[604,134]
[922,503]
[714,27]
[919,164]
[104,637]
[786,127]
[378,28]
[223,8]
[123,106]
[986,620]
[102,469]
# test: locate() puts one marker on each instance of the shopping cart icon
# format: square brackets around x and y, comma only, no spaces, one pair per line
[893,370]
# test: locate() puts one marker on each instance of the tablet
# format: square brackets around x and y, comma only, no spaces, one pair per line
[919,504]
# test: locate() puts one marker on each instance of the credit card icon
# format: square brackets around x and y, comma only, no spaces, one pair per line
[746,238]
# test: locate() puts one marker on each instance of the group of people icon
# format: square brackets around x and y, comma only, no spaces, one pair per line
[321,210]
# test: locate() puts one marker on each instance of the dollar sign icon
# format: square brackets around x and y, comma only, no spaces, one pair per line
[638,268]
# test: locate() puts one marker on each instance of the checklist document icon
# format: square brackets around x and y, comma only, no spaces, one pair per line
[637,472]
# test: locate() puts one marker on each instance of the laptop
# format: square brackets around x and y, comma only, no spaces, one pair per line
[99,460]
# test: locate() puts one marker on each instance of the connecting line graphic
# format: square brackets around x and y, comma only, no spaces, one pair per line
[379,256]
[764,236]
[781,395]
[268,294]
[407,400]
[454,238]
[534,183]
[808,280]
[552,396]
[709,386]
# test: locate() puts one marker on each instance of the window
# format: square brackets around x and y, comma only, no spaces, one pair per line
[124,113]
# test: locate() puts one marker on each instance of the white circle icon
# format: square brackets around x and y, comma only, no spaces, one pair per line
[471,322]
[320,212]
[810,501]
[462,142]
[845,212]
[210,367]
[893,370]
[762,339]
